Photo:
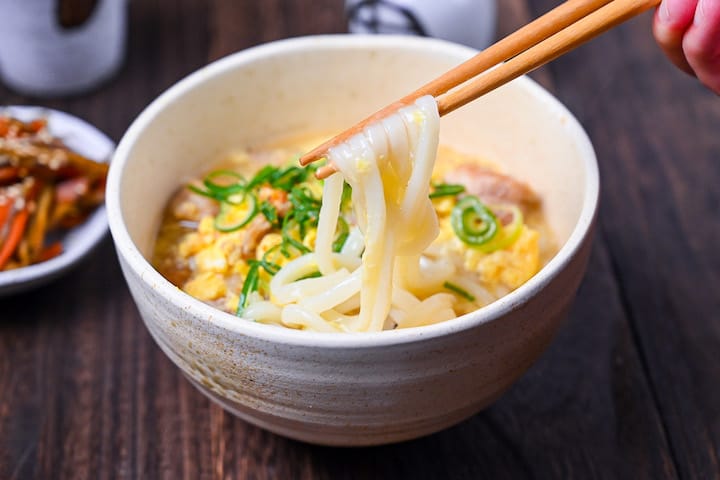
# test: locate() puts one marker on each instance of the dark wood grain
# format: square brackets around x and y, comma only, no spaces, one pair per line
[659,160]
[629,389]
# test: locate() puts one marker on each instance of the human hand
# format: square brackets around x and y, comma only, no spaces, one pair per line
[689,33]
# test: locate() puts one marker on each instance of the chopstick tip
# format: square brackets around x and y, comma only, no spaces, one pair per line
[306,159]
[325,171]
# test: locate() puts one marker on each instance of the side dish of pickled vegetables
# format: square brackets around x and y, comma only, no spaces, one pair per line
[45,188]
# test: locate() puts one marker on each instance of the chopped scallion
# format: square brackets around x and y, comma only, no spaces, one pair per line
[507,234]
[288,178]
[446,190]
[235,216]
[263,175]
[250,285]
[230,182]
[473,222]
[314,274]
[204,193]
[459,291]
[269,211]
[342,235]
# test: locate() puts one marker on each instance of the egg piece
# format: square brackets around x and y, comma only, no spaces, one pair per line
[191,244]
[231,302]
[309,239]
[206,227]
[231,245]
[510,267]
[211,259]
[206,286]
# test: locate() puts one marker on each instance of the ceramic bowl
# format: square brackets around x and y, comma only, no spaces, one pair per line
[349,389]
[80,240]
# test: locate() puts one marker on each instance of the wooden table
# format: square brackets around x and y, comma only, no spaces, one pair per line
[629,389]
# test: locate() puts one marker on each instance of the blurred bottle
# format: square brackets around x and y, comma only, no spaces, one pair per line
[51,48]
[470,22]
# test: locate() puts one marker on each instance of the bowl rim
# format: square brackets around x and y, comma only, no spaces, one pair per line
[152,279]
[93,229]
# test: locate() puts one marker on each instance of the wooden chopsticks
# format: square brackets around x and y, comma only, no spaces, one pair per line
[569,25]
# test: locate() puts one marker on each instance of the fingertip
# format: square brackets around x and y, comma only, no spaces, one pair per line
[662,14]
[701,44]
[671,42]
[676,15]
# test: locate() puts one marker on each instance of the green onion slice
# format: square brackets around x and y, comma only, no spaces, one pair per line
[234,216]
[286,179]
[342,235]
[250,285]
[204,193]
[287,238]
[473,222]
[305,211]
[346,197]
[270,212]
[272,253]
[507,234]
[270,267]
[446,190]
[460,291]
[252,280]
[314,274]
[302,199]
[229,182]
[262,176]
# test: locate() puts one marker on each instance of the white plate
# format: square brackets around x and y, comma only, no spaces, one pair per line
[77,242]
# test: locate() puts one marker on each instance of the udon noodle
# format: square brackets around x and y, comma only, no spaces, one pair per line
[388,166]
[414,252]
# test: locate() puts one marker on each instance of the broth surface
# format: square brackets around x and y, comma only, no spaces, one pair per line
[194,253]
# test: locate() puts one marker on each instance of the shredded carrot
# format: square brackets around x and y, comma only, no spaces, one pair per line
[39,224]
[58,187]
[4,126]
[8,174]
[37,125]
[5,211]
[14,236]
[51,251]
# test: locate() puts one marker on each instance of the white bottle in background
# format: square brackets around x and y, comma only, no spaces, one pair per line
[470,22]
[60,47]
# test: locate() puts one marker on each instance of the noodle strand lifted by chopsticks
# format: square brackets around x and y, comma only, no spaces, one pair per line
[388,166]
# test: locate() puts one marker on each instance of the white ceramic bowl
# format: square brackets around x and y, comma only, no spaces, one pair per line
[349,389]
[80,240]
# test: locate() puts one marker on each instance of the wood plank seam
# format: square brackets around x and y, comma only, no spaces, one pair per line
[635,335]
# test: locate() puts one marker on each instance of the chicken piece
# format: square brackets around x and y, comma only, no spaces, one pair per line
[277,198]
[187,205]
[177,272]
[253,235]
[492,187]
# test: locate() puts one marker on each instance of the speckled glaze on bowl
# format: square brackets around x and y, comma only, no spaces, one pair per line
[349,389]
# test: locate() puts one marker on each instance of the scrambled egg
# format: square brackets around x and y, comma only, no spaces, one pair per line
[217,265]
[214,256]
[206,286]
[507,268]
[510,267]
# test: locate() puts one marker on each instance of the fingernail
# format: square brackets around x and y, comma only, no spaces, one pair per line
[664,13]
[700,12]
[677,14]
